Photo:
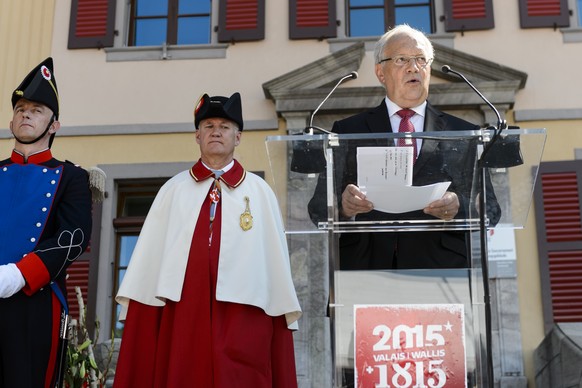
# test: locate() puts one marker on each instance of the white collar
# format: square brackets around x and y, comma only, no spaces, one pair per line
[224,169]
[393,108]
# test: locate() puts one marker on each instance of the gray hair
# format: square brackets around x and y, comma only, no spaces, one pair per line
[399,31]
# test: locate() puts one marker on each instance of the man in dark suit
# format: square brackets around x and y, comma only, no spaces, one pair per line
[403,56]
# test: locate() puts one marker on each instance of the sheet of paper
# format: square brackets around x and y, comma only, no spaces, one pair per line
[385,176]
[397,198]
[384,165]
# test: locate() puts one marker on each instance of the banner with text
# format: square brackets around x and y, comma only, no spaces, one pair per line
[409,346]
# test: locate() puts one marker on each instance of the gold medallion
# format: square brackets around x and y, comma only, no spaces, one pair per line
[246,218]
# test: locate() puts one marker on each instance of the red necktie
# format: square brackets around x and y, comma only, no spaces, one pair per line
[406,127]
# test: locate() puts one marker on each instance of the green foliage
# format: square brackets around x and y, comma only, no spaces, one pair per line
[82,370]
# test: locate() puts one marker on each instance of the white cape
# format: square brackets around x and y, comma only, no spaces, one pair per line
[253,267]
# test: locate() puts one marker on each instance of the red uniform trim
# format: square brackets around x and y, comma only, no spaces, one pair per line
[38,158]
[35,273]
[233,177]
[56,325]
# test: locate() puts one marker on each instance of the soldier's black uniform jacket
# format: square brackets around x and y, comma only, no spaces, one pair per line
[45,224]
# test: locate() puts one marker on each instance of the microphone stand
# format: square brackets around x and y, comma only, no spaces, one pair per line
[501,125]
[310,128]
[311,158]
[328,156]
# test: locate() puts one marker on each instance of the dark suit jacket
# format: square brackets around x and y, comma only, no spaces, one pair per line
[438,161]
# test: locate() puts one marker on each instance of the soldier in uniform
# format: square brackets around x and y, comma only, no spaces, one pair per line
[45,225]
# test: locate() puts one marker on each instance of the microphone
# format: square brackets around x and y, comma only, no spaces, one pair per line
[507,152]
[310,128]
[501,124]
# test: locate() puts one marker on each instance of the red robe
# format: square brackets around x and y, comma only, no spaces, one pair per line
[199,341]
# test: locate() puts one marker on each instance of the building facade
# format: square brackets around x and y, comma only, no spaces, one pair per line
[130,72]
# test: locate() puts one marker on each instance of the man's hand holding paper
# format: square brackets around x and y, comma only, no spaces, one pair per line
[385,180]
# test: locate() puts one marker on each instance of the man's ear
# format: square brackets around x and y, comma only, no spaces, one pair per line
[55,127]
[379,73]
[197,136]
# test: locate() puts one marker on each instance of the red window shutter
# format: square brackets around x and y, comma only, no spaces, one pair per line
[467,15]
[241,20]
[543,7]
[315,19]
[468,9]
[78,276]
[544,13]
[566,283]
[560,240]
[561,207]
[92,24]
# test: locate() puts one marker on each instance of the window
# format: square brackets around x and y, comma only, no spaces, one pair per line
[155,22]
[579,8]
[374,17]
[161,23]
[126,243]
[134,201]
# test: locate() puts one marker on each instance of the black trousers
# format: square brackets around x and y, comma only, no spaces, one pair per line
[28,339]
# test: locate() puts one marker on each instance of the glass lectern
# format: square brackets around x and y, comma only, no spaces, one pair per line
[371,325]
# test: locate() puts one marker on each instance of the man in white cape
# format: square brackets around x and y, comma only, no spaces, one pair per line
[208,298]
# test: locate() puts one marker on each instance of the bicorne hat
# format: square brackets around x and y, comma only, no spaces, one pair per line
[219,106]
[39,86]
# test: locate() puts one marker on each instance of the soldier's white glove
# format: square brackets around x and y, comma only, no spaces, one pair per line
[11,280]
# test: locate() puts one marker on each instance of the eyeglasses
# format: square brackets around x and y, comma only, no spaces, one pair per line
[401,60]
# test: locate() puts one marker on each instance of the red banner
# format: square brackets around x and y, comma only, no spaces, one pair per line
[409,346]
